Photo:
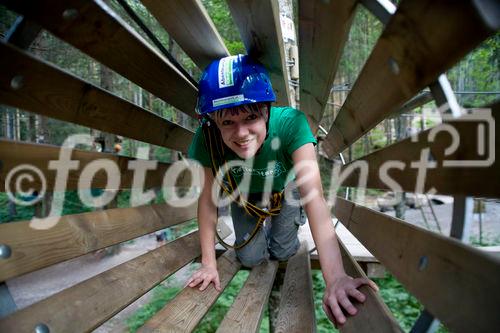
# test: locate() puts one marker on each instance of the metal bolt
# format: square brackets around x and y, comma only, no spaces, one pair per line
[422,263]
[5,251]
[17,82]
[41,328]
[70,14]
[394,66]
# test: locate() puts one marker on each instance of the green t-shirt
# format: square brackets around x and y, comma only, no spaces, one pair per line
[288,130]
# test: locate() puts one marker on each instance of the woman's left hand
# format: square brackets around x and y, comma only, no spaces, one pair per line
[337,295]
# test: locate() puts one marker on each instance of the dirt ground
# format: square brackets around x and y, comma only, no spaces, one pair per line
[33,287]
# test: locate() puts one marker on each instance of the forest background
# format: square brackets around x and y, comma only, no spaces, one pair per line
[475,80]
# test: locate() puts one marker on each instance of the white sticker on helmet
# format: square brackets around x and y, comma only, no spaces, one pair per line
[228,100]
[226,78]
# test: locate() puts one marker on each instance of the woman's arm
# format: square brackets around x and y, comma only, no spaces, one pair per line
[207,221]
[339,286]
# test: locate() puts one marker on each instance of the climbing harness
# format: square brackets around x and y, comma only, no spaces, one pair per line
[215,147]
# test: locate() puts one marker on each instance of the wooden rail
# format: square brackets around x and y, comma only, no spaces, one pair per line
[96,30]
[188,23]
[246,312]
[16,154]
[438,270]
[296,310]
[399,160]
[50,91]
[323,30]
[187,309]
[259,24]
[416,46]
[78,234]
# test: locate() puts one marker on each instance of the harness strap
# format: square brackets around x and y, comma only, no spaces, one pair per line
[215,148]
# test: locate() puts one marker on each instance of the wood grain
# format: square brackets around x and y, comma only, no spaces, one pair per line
[373,315]
[259,24]
[246,312]
[423,39]
[188,23]
[296,309]
[323,30]
[52,92]
[96,30]
[475,180]
[440,271]
[187,309]
[79,234]
[15,154]
[88,304]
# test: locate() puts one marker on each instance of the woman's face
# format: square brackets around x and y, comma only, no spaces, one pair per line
[243,128]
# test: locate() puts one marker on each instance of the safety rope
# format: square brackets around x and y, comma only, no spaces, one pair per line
[215,147]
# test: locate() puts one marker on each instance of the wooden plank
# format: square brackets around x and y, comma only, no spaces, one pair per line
[419,43]
[475,180]
[16,154]
[246,312]
[323,30]
[188,23]
[373,315]
[88,304]
[187,309]
[296,309]
[79,234]
[438,270]
[259,24]
[95,29]
[52,92]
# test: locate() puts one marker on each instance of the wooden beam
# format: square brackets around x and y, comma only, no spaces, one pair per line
[90,303]
[78,234]
[187,21]
[475,180]
[45,89]
[96,30]
[259,24]
[423,39]
[438,270]
[296,308]
[16,154]
[187,309]
[373,315]
[246,312]
[323,30]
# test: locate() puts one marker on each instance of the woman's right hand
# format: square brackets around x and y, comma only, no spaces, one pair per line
[205,275]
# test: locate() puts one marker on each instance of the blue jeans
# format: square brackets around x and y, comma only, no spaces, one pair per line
[276,240]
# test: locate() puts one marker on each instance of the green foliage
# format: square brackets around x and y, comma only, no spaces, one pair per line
[161,296]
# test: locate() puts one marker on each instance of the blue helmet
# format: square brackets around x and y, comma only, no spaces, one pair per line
[233,81]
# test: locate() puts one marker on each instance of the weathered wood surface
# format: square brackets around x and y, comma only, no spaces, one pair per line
[323,30]
[187,21]
[438,270]
[296,309]
[50,91]
[187,309]
[78,234]
[246,312]
[419,43]
[398,161]
[95,29]
[373,315]
[259,24]
[15,154]
[88,304]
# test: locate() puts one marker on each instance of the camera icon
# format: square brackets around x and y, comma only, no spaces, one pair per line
[472,139]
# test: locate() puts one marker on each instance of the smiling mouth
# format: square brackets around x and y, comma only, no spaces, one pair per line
[243,143]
